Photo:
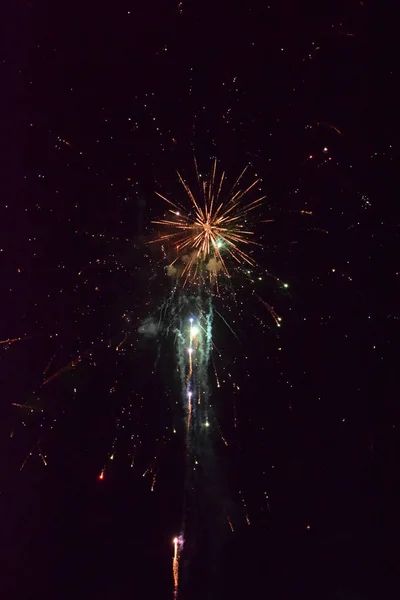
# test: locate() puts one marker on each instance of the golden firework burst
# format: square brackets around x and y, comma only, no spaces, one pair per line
[213,227]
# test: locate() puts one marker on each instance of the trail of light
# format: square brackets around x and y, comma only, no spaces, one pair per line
[42,456]
[189,411]
[31,408]
[226,323]
[230,524]
[67,367]
[30,454]
[220,433]
[175,567]
[120,344]
[10,341]
[153,483]
[245,508]
[49,364]
[270,309]
[101,476]
[216,375]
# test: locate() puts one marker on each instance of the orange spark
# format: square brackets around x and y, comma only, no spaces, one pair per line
[230,524]
[120,344]
[68,367]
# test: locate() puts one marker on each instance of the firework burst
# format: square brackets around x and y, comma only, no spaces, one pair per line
[213,227]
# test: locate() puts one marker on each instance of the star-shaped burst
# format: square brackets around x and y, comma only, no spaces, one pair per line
[212,228]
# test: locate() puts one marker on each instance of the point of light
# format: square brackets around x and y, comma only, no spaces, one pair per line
[190,395]
[190,350]
[207,424]
[191,320]
[285,285]
[194,331]
[175,540]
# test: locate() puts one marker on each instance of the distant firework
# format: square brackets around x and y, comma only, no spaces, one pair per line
[212,229]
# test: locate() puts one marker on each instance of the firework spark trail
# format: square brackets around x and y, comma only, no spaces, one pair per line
[271,310]
[68,367]
[120,343]
[178,545]
[7,343]
[48,364]
[230,524]
[245,508]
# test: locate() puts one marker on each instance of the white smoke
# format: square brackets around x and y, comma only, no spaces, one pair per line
[149,328]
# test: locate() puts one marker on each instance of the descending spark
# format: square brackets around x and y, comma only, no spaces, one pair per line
[189,411]
[245,508]
[212,224]
[230,524]
[30,454]
[329,124]
[175,567]
[31,408]
[68,367]
[270,309]
[216,376]
[12,341]
[48,364]
[220,433]
[42,456]
[153,483]
[101,476]
[120,344]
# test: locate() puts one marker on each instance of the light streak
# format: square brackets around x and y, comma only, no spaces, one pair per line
[189,411]
[175,567]
[68,367]
[10,341]
[49,364]
[120,344]
[42,456]
[245,509]
[270,309]
[230,524]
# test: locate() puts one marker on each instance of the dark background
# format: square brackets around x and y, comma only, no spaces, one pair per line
[101,103]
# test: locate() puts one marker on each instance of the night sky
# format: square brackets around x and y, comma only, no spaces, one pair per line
[102,103]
